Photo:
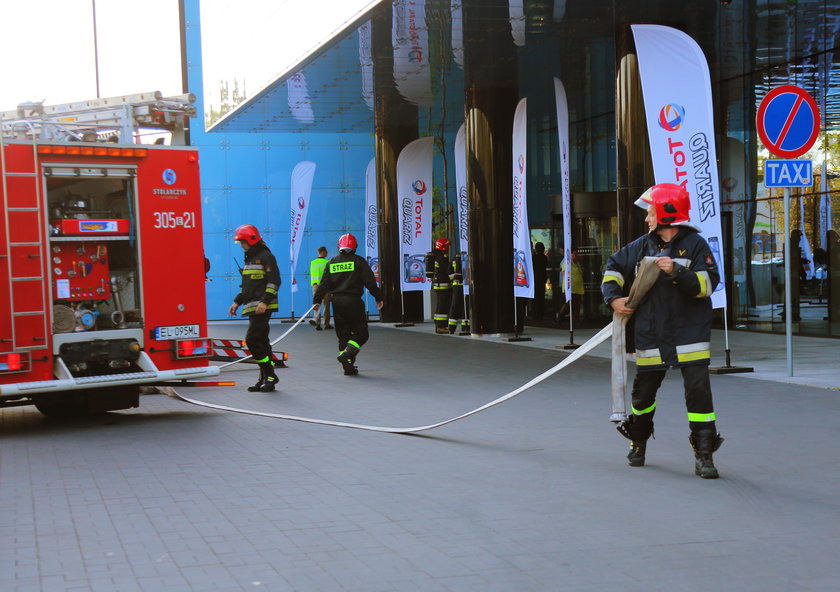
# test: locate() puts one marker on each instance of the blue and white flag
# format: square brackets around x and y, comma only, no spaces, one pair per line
[371,219]
[414,194]
[563,139]
[523,265]
[463,203]
[677,93]
[302,176]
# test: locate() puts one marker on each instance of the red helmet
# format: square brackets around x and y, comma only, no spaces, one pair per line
[442,243]
[247,233]
[670,202]
[347,243]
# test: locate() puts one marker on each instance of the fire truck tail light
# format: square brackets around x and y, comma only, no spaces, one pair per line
[192,157]
[14,362]
[192,348]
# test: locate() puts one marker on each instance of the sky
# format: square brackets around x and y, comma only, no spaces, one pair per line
[48,45]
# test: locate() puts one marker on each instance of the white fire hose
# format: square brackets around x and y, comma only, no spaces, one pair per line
[647,275]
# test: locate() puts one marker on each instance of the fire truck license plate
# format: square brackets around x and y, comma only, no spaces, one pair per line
[176,332]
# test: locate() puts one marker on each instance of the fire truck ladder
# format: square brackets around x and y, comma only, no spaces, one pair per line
[24,241]
[114,117]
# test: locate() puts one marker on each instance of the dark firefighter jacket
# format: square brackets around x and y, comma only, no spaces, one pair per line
[673,324]
[437,269]
[260,280]
[347,273]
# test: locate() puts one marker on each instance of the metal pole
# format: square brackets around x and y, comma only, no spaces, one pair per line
[788,298]
[95,47]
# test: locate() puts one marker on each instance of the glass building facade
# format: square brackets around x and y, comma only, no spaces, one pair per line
[354,100]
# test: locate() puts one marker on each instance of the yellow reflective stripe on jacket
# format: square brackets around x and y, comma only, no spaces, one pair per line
[648,357]
[252,306]
[643,411]
[705,284]
[701,417]
[613,276]
[693,352]
[342,266]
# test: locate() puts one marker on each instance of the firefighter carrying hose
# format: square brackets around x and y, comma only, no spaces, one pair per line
[437,271]
[258,296]
[346,276]
[672,324]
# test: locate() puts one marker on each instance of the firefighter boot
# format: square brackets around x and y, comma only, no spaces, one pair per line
[256,388]
[705,443]
[270,380]
[637,429]
[347,357]
[636,456]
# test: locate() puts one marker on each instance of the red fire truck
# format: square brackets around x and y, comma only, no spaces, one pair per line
[101,263]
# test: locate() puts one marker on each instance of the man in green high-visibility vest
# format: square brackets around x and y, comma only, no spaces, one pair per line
[316,271]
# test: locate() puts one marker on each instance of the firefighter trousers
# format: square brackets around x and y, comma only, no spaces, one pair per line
[457,309]
[698,397]
[350,320]
[444,298]
[257,336]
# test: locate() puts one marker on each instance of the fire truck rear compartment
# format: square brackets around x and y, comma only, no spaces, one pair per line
[93,248]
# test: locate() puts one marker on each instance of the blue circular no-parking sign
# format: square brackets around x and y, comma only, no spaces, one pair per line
[788,121]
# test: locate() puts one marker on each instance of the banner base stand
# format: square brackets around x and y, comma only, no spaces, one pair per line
[510,339]
[404,325]
[729,369]
[568,346]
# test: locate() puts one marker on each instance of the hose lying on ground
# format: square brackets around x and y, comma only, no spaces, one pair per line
[596,340]
[646,277]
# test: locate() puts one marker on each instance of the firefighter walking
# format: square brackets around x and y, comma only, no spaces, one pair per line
[672,324]
[258,297]
[437,271]
[345,277]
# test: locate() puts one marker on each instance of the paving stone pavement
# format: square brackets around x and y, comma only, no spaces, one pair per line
[532,495]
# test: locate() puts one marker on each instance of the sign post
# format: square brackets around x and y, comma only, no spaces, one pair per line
[788,123]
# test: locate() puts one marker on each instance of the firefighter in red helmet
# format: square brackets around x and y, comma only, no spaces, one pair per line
[673,322]
[258,296]
[437,272]
[346,276]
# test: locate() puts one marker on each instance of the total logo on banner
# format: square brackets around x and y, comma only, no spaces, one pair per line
[671,117]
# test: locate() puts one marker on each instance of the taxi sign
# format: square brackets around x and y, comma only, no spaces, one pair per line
[788,121]
[788,173]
